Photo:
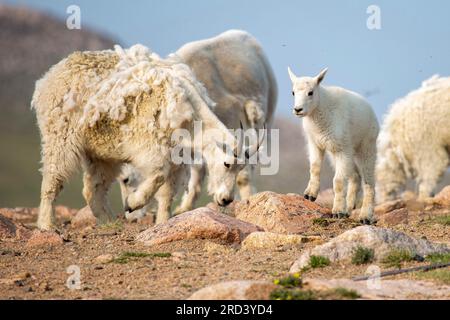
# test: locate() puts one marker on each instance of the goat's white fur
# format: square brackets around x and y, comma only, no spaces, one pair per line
[106,108]
[238,77]
[414,141]
[343,124]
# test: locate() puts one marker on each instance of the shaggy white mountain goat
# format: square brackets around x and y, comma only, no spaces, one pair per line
[235,71]
[415,141]
[102,109]
[343,124]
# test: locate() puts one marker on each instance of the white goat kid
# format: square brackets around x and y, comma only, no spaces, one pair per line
[343,124]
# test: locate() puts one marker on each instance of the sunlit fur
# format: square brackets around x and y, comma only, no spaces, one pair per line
[102,109]
[415,141]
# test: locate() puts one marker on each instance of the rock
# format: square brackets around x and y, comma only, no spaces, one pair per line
[394,218]
[326,198]
[389,206]
[443,197]
[202,223]
[29,215]
[16,279]
[83,218]
[216,249]
[288,214]
[388,289]
[235,290]
[381,240]
[178,256]
[44,239]
[12,230]
[229,210]
[269,240]
[104,258]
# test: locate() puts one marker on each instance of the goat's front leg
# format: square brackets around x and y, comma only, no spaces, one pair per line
[344,165]
[197,173]
[315,165]
[145,191]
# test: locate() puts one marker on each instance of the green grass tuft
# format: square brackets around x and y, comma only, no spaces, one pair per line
[362,255]
[321,222]
[438,258]
[444,220]
[347,293]
[126,256]
[292,294]
[439,275]
[396,258]
[318,262]
[291,281]
[113,225]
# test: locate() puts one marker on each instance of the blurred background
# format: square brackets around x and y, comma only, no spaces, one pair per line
[383,65]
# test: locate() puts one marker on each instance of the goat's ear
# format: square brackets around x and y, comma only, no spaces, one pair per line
[292,75]
[321,75]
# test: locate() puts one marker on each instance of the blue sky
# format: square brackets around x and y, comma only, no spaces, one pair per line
[412,45]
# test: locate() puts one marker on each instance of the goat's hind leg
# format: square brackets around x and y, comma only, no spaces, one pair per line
[58,164]
[97,180]
[344,167]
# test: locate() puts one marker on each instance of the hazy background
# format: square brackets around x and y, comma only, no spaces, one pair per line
[412,45]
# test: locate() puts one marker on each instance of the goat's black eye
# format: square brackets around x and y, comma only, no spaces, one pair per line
[310,93]
[126,180]
[227,165]
[293,93]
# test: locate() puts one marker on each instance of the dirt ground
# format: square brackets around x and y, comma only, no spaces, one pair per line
[176,270]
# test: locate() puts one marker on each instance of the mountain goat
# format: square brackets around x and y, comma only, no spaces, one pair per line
[415,141]
[238,77]
[343,124]
[102,109]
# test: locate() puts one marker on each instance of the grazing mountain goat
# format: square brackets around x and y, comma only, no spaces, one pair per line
[238,77]
[415,141]
[103,109]
[342,123]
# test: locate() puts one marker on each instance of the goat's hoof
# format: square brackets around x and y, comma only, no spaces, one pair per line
[367,221]
[340,215]
[127,209]
[310,198]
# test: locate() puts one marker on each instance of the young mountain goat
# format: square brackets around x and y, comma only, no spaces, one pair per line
[342,123]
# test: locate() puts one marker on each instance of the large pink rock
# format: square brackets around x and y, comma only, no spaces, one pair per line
[83,218]
[202,223]
[279,213]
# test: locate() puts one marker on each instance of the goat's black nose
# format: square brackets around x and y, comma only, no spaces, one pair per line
[226,202]
[298,109]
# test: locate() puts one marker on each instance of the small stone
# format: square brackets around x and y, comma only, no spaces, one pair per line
[84,218]
[104,258]
[269,240]
[235,290]
[44,239]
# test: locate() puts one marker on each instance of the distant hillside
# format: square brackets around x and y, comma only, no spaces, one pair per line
[30,42]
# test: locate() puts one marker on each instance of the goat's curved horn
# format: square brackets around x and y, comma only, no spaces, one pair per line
[240,142]
[254,148]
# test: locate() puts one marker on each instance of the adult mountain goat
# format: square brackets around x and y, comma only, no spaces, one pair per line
[415,141]
[342,123]
[238,77]
[103,109]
